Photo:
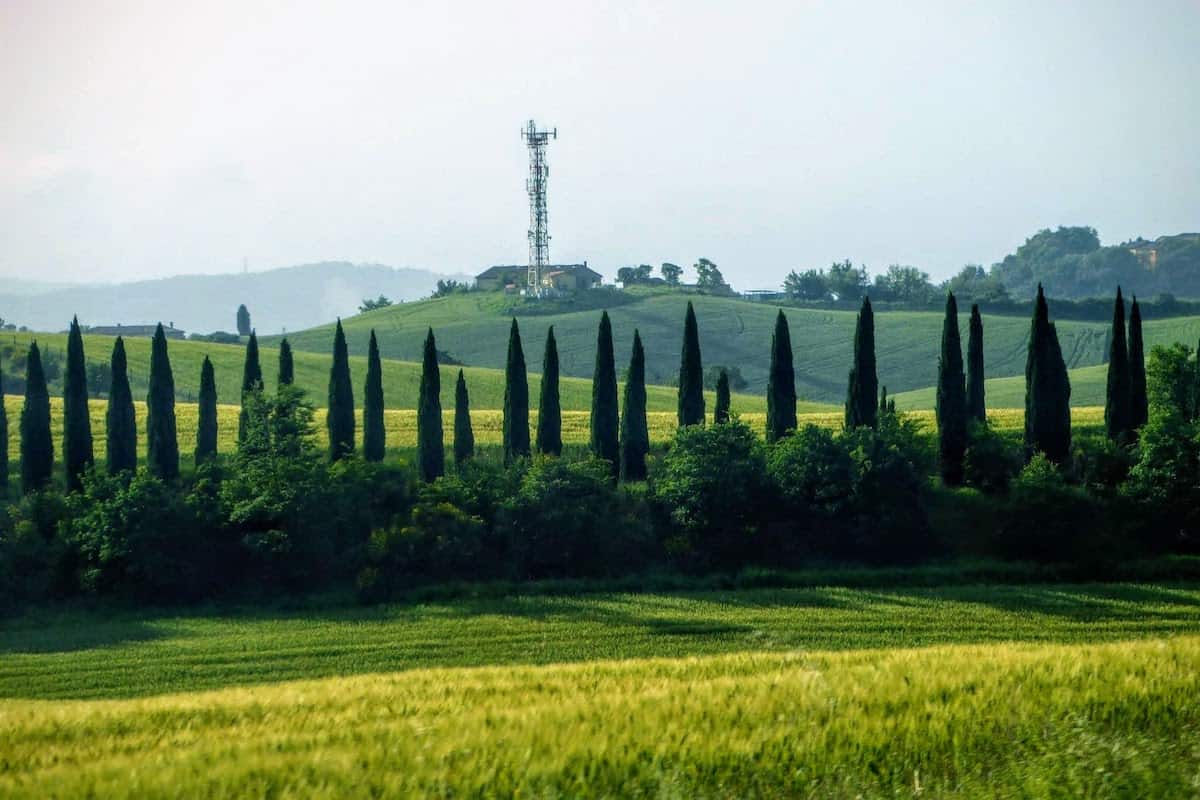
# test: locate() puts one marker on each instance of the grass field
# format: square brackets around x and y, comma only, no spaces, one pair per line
[733,332]
[999,691]
[401,424]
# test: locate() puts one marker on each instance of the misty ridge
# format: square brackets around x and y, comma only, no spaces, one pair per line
[283,299]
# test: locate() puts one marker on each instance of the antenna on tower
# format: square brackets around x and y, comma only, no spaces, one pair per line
[539,233]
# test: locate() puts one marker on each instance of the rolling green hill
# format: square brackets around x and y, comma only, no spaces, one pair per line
[1088,386]
[401,378]
[733,332]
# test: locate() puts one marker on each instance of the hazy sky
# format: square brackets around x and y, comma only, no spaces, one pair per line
[147,139]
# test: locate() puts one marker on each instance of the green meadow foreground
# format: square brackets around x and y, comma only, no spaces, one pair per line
[1064,690]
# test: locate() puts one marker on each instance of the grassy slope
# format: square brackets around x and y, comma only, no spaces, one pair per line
[1088,386]
[1008,691]
[401,378]
[474,328]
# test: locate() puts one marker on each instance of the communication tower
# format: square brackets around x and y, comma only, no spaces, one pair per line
[539,233]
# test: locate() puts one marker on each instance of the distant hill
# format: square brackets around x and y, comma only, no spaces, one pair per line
[734,332]
[288,298]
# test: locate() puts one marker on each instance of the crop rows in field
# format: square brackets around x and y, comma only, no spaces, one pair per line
[1004,691]
[401,424]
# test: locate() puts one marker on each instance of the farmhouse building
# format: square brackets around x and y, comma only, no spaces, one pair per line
[556,277]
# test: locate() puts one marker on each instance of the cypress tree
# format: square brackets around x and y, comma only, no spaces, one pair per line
[37,444]
[1117,410]
[604,422]
[721,408]
[340,414]
[951,399]
[373,433]
[120,420]
[464,437]
[549,427]
[516,399]
[1047,389]
[77,422]
[1139,406]
[163,445]
[691,373]
[781,383]
[976,401]
[635,436]
[287,370]
[206,430]
[3,437]
[251,381]
[431,454]
[862,389]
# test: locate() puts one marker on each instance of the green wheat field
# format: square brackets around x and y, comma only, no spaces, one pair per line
[997,691]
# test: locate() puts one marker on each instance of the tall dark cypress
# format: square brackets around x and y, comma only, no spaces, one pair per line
[162,442]
[206,430]
[431,453]
[1139,405]
[251,381]
[976,402]
[340,415]
[516,399]
[549,426]
[77,421]
[120,420]
[605,422]
[1118,417]
[721,408]
[781,383]
[1047,389]
[691,373]
[37,444]
[287,370]
[951,399]
[862,391]
[374,443]
[635,435]
[464,436]
[3,436]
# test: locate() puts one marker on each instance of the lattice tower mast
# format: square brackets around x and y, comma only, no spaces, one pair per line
[539,230]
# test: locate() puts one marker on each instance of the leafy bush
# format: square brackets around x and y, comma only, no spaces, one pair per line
[712,486]
[992,461]
[1165,482]
[1046,519]
[36,564]
[569,519]
[814,475]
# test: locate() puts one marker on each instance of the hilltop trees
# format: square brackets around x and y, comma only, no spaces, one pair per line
[691,374]
[635,436]
[162,444]
[781,383]
[721,406]
[252,381]
[340,414]
[431,454]
[464,437]
[1047,389]
[120,420]
[1118,416]
[549,427]
[77,422]
[243,321]
[37,445]
[516,400]
[951,399]
[863,385]
[671,273]
[206,429]
[1139,407]
[287,370]
[976,402]
[604,422]
[374,444]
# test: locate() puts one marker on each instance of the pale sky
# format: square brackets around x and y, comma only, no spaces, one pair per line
[148,139]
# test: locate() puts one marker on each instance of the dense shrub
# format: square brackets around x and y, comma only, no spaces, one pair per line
[712,487]
[992,461]
[1047,519]
[813,474]
[440,541]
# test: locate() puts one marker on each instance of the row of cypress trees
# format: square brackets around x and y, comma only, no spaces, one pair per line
[1126,406]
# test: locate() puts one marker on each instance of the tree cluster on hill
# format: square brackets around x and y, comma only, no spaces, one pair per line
[280,515]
